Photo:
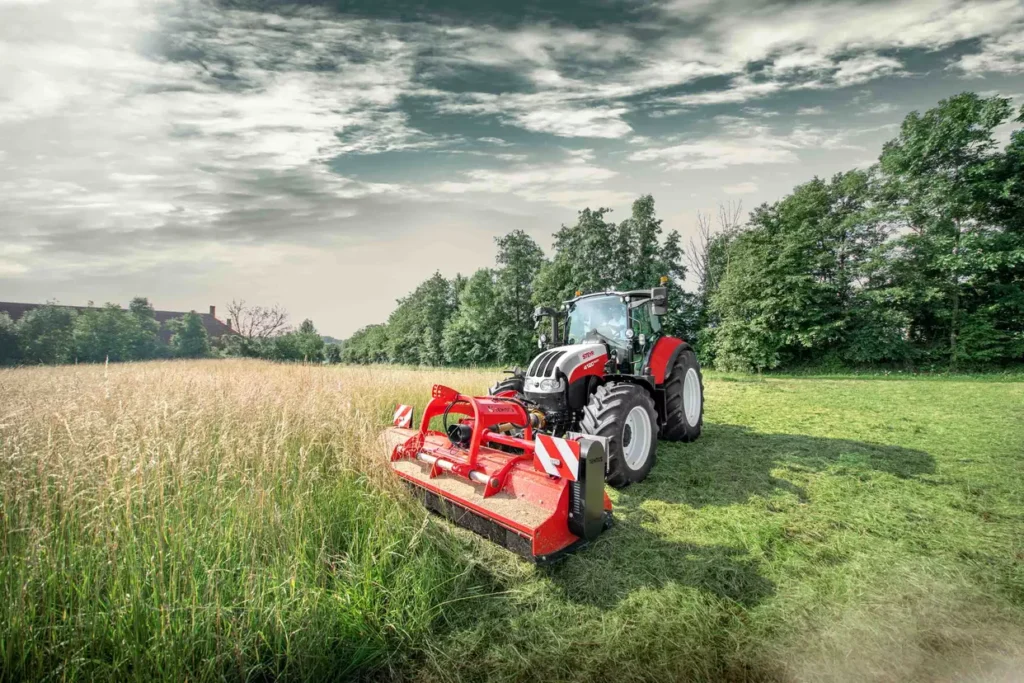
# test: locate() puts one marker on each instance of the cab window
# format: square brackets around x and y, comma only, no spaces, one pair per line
[643,322]
[598,319]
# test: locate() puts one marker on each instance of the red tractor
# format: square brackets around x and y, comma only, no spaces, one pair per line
[614,375]
[526,465]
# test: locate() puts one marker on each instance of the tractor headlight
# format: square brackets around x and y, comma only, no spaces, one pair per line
[545,385]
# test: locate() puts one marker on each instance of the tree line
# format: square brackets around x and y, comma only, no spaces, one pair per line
[54,334]
[487,318]
[263,332]
[916,262]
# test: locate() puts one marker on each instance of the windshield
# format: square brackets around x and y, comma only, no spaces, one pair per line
[599,318]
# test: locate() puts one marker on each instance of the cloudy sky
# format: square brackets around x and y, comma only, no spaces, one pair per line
[330,155]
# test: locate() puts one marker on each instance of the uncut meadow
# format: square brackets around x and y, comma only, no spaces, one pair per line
[236,520]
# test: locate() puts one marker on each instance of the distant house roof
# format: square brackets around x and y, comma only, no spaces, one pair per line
[214,327]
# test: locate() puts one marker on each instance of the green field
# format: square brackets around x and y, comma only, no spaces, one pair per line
[233,520]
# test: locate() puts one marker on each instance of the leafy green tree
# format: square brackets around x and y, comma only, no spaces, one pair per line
[310,343]
[114,334]
[332,354]
[707,258]
[189,338]
[787,294]
[46,334]
[519,260]
[284,347]
[585,259]
[471,336]
[145,339]
[10,353]
[367,345]
[416,327]
[642,262]
[941,174]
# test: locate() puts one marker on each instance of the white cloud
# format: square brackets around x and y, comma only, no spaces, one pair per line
[592,122]
[581,154]
[571,183]
[142,118]
[743,142]
[1002,55]
[741,89]
[110,149]
[718,153]
[740,188]
[810,111]
[812,32]
[560,114]
[881,108]
[759,112]
[582,77]
[829,45]
[864,68]
[515,180]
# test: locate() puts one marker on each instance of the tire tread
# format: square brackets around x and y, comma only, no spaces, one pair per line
[603,416]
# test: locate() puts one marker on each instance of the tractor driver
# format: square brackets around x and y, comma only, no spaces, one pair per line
[608,320]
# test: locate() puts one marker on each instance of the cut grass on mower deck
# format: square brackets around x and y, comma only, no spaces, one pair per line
[235,520]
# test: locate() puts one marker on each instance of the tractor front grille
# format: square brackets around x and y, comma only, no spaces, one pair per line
[544,364]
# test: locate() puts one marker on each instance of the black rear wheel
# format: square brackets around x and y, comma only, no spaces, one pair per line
[684,399]
[625,414]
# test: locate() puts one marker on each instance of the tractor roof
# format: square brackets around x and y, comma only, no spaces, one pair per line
[632,294]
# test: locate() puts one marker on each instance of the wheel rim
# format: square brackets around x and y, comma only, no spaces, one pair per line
[636,437]
[691,397]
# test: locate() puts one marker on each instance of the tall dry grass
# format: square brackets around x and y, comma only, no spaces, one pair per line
[211,520]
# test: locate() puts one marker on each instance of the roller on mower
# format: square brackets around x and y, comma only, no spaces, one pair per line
[526,465]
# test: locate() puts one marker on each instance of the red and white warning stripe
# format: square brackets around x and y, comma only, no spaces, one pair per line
[558,457]
[403,416]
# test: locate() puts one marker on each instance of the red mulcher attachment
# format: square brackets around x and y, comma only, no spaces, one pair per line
[539,496]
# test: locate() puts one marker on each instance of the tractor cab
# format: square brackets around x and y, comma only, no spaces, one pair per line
[628,323]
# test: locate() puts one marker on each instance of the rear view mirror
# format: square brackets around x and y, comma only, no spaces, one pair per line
[539,313]
[659,301]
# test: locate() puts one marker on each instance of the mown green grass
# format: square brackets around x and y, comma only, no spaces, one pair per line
[821,529]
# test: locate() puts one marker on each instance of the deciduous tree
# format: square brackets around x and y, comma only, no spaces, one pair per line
[189,338]
[46,334]
[257,322]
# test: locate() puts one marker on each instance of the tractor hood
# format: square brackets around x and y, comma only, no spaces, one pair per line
[573,361]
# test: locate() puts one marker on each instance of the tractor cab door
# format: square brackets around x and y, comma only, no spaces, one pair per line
[646,328]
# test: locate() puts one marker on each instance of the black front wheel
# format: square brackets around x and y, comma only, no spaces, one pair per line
[514,383]
[625,414]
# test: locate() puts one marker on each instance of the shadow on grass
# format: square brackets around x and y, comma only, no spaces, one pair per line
[730,463]
[628,558]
